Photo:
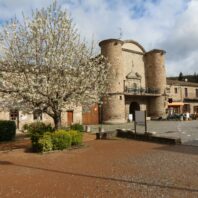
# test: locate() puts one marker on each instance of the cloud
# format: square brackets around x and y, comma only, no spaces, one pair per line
[165,24]
[182,40]
[11,8]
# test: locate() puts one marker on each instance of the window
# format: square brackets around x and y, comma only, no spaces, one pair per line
[37,114]
[14,114]
[186,108]
[168,90]
[175,90]
[196,93]
[186,92]
[135,85]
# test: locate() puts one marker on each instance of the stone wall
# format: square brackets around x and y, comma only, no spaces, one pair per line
[28,118]
[156,78]
[113,109]
[112,49]
[133,62]
[142,101]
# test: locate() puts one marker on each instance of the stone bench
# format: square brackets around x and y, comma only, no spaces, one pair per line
[106,135]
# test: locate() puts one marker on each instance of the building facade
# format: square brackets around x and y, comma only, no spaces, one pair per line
[68,117]
[77,114]
[183,96]
[137,80]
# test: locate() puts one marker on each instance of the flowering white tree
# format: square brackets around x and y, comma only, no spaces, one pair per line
[44,64]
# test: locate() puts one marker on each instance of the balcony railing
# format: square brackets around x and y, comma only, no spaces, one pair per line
[142,91]
[191,99]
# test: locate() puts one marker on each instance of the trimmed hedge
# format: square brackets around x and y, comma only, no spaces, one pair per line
[36,131]
[61,140]
[77,127]
[45,143]
[76,137]
[45,139]
[7,130]
[37,127]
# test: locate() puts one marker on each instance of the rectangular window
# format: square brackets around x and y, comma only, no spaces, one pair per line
[175,90]
[196,92]
[37,114]
[167,89]
[14,114]
[186,108]
[186,92]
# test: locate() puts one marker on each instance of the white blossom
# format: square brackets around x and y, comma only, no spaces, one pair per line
[46,65]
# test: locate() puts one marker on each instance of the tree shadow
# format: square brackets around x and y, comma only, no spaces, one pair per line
[191,143]
[21,141]
[179,188]
[8,146]
[182,148]
[6,163]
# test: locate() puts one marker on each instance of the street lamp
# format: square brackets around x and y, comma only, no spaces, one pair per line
[100,103]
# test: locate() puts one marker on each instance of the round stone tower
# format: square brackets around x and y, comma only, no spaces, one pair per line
[156,79]
[113,109]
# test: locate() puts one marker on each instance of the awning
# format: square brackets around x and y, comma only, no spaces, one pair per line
[176,104]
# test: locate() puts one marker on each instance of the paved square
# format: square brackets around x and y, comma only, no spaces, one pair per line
[186,130]
[103,169]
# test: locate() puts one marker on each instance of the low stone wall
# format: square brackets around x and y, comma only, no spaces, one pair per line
[147,137]
[107,135]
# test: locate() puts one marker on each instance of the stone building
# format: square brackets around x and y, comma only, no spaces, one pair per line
[137,80]
[72,115]
[75,114]
[182,96]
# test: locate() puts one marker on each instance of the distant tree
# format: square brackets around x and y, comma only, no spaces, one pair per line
[195,77]
[45,65]
[181,77]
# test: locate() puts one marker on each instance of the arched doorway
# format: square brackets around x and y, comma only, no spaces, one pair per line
[134,106]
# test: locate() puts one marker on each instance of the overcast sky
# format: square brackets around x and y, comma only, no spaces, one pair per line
[171,25]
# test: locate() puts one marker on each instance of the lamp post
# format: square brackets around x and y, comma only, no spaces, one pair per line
[100,115]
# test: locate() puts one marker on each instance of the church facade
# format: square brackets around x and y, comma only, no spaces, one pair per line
[137,80]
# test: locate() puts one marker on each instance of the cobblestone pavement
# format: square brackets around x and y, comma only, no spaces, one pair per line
[186,130]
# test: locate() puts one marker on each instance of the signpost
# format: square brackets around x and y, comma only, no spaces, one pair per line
[140,119]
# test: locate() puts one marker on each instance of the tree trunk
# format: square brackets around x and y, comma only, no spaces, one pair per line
[57,121]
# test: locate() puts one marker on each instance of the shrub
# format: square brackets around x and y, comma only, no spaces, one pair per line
[61,140]
[7,130]
[45,143]
[64,128]
[25,127]
[36,130]
[38,127]
[76,137]
[77,127]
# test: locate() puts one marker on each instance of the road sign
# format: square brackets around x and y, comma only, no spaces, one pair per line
[140,119]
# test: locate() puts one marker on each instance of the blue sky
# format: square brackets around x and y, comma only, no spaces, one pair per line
[171,25]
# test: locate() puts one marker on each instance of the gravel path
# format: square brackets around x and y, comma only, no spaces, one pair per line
[111,168]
